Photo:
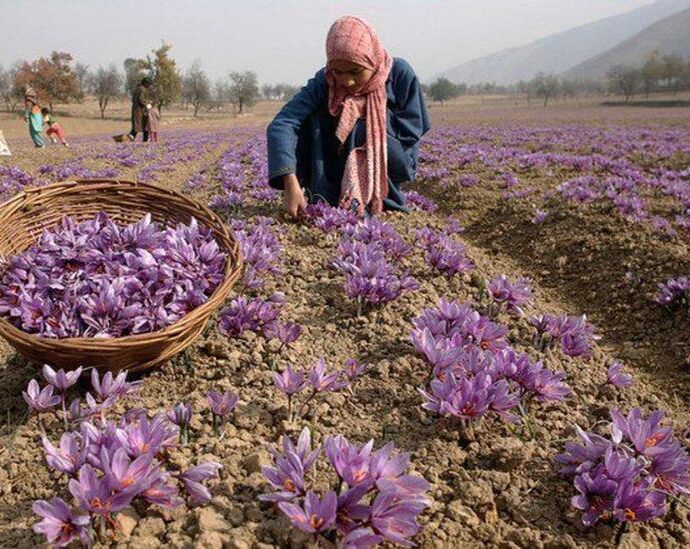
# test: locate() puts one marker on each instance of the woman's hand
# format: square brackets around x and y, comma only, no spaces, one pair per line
[293,197]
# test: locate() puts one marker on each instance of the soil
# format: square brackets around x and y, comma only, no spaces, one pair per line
[500,490]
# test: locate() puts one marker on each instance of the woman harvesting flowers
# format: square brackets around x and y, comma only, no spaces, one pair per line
[351,135]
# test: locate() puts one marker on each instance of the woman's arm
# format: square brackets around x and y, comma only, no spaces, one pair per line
[282,132]
[410,119]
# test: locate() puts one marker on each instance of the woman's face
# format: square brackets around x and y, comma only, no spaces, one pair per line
[349,77]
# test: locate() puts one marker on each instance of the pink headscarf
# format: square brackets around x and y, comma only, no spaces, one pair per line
[366,169]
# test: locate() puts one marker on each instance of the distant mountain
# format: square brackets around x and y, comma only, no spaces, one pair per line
[562,51]
[670,35]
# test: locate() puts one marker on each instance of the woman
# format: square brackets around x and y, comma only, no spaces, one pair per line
[33,116]
[351,135]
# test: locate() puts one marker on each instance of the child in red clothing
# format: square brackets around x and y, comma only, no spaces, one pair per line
[54,129]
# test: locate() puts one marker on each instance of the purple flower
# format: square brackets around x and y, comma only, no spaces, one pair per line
[317,515]
[596,495]
[287,477]
[109,387]
[124,474]
[539,217]
[192,479]
[222,404]
[634,502]
[70,456]
[646,434]
[59,524]
[387,470]
[94,494]
[40,400]
[289,381]
[181,414]
[61,380]
[353,369]
[617,378]
[511,294]
[285,332]
[582,457]
[350,462]
[396,519]
[161,492]
[322,382]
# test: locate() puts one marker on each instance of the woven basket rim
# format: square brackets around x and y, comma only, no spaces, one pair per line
[230,273]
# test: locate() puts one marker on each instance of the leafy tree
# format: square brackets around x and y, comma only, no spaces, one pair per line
[443,90]
[244,89]
[135,70]
[624,80]
[673,70]
[106,84]
[196,87]
[545,86]
[52,78]
[167,81]
[652,72]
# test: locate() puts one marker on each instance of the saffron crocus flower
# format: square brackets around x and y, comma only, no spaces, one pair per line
[287,477]
[353,369]
[646,434]
[124,474]
[181,414]
[616,377]
[290,383]
[395,518]
[351,462]
[317,515]
[285,332]
[94,493]
[161,492]
[61,380]
[70,456]
[110,387]
[40,400]
[192,479]
[596,495]
[539,217]
[635,502]
[322,382]
[514,295]
[222,404]
[582,457]
[59,524]
[387,469]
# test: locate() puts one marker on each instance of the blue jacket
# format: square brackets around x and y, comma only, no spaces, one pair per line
[301,138]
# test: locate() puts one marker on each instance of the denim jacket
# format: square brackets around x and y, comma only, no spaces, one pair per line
[301,138]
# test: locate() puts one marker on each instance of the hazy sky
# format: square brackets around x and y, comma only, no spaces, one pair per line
[283,40]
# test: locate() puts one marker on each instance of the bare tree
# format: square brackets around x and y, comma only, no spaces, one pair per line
[6,85]
[196,87]
[81,71]
[106,84]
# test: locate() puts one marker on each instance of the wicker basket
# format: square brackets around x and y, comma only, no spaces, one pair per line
[23,219]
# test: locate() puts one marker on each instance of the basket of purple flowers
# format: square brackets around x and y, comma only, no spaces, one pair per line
[111,274]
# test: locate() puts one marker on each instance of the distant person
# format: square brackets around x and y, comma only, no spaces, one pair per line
[33,116]
[141,103]
[351,135]
[55,131]
[152,123]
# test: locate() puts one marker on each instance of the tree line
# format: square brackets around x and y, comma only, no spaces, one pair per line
[58,78]
[659,73]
